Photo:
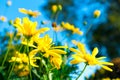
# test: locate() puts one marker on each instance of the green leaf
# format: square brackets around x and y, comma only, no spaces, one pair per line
[35,72]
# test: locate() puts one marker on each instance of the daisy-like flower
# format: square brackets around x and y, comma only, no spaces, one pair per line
[23,62]
[82,56]
[29,12]
[27,27]
[72,28]
[45,46]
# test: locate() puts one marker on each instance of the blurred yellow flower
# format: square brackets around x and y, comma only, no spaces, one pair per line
[23,62]
[23,58]
[3,18]
[27,27]
[97,13]
[56,8]
[29,12]
[72,28]
[82,56]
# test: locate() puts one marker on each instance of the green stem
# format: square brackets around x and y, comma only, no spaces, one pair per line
[82,71]
[29,60]
[11,69]
[6,54]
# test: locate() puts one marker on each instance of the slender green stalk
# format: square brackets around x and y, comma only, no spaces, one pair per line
[6,54]
[82,72]
[29,60]
[11,69]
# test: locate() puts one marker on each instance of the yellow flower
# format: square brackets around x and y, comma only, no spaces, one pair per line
[22,58]
[29,12]
[3,18]
[72,28]
[82,56]
[45,46]
[27,27]
[56,8]
[22,66]
[97,13]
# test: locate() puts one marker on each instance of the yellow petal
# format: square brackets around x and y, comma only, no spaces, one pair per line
[74,50]
[106,68]
[81,48]
[76,61]
[100,58]
[42,30]
[60,47]
[95,51]
[106,63]
[58,51]
[33,53]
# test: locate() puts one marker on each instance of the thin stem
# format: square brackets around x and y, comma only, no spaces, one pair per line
[29,59]
[88,29]
[6,54]
[82,71]
[11,69]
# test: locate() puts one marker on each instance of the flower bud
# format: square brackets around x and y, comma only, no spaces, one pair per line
[97,13]
[59,7]
[54,8]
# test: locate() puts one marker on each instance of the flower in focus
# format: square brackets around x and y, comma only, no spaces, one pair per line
[72,28]
[9,3]
[3,18]
[29,12]
[82,56]
[27,27]
[22,62]
[45,46]
[97,13]
[56,8]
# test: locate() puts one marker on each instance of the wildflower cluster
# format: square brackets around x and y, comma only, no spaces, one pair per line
[39,55]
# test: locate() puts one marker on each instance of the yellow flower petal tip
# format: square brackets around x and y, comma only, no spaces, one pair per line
[29,12]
